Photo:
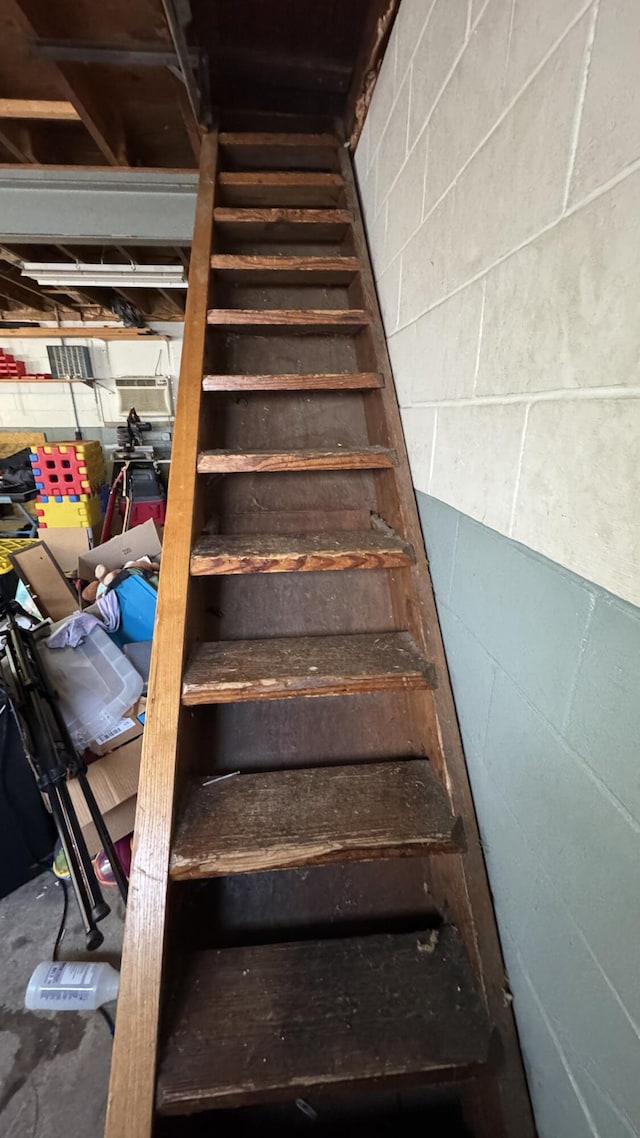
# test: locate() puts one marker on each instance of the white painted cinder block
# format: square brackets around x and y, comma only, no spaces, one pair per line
[536,28]
[446,346]
[563,312]
[441,42]
[516,185]
[419,427]
[579,489]
[406,35]
[560,280]
[475,461]
[476,85]
[425,262]
[393,145]
[404,203]
[610,126]
[404,361]
[389,295]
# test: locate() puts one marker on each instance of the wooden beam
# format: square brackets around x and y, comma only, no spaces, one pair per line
[78,333]
[133,1068]
[75,85]
[24,294]
[17,143]
[55,110]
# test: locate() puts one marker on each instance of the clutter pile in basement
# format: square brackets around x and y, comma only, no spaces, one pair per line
[76,624]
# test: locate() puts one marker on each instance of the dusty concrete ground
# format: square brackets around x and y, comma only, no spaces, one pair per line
[54,1068]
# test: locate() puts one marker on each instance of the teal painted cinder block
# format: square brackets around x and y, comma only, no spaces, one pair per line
[440,528]
[604,718]
[466,657]
[529,614]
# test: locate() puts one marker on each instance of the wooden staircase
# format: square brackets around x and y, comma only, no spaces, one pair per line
[309,911]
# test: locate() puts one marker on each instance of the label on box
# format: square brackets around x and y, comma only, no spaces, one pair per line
[118,729]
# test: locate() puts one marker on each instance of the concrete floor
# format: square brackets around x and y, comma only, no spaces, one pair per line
[54,1068]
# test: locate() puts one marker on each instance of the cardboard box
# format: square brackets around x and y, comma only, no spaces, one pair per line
[68,543]
[124,731]
[114,781]
[138,542]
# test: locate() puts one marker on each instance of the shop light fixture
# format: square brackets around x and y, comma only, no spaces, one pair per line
[105,276]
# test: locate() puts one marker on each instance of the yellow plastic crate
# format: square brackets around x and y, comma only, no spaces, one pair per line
[85,511]
[12,545]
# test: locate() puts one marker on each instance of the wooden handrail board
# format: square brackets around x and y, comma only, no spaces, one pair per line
[291,667]
[321,1013]
[132,1085]
[338,813]
[284,270]
[287,553]
[332,381]
[234,462]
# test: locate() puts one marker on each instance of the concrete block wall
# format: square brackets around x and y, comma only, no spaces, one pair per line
[544,667]
[499,169]
[499,172]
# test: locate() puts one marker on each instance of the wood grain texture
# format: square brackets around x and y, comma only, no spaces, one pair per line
[55,110]
[283,225]
[284,819]
[132,1084]
[299,553]
[301,319]
[86,332]
[229,462]
[321,1013]
[459,884]
[289,667]
[318,381]
[284,270]
[281,189]
[279,151]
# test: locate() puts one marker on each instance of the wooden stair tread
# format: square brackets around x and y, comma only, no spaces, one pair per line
[283,224]
[311,319]
[286,188]
[330,381]
[278,553]
[289,818]
[256,1023]
[285,270]
[288,667]
[343,458]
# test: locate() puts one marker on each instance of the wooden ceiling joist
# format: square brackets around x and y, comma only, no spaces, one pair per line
[91,107]
[88,332]
[16,140]
[54,110]
[23,295]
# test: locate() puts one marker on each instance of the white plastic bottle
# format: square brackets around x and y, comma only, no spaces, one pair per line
[73,986]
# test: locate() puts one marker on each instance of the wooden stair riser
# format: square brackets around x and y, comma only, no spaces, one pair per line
[278,151]
[281,191]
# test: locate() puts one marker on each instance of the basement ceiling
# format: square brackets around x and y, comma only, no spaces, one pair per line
[132,83]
